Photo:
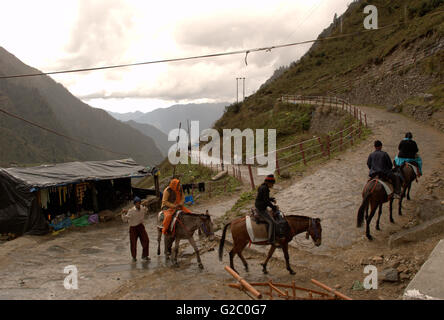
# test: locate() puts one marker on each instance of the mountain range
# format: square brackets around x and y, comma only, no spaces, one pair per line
[47,103]
[166,119]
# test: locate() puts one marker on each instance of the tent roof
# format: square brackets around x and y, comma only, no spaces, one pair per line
[73,172]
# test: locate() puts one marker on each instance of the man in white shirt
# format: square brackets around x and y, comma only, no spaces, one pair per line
[134,217]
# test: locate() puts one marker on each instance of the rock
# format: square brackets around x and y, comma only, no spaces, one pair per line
[389,275]
[357,286]
[377,259]
[219,176]
[402,268]
[364,261]
[404,276]
[395,264]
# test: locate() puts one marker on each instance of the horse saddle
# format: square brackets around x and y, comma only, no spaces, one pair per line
[388,186]
[256,217]
[161,217]
[414,165]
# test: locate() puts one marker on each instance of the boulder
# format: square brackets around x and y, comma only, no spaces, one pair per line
[219,176]
[389,275]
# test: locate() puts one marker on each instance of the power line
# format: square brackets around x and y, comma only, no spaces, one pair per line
[60,134]
[246,51]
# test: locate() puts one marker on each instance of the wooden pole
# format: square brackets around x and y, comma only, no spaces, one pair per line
[365,116]
[244,283]
[277,164]
[303,153]
[328,146]
[336,293]
[322,147]
[340,148]
[251,177]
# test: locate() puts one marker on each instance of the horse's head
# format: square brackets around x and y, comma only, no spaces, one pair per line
[315,231]
[207,226]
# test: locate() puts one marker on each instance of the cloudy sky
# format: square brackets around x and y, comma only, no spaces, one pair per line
[69,34]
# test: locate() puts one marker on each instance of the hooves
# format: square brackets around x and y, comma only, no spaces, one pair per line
[158,252]
[201,266]
[369,237]
[291,271]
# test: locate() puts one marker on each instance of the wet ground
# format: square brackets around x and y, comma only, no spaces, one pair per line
[33,267]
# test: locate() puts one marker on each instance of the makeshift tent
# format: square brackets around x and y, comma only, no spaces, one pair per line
[20,212]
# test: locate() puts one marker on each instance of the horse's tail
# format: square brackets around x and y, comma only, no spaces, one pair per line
[222,241]
[362,208]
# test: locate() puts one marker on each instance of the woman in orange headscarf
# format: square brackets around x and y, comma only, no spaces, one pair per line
[172,200]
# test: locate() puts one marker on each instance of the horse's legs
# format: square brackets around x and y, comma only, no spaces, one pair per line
[270,254]
[408,192]
[369,219]
[193,244]
[379,217]
[176,252]
[159,239]
[400,204]
[231,254]
[391,210]
[168,242]
[244,261]
[287,257]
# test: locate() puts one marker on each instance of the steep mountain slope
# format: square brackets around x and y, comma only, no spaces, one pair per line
[401,59]
[166,119]
[160,138]
[42,100]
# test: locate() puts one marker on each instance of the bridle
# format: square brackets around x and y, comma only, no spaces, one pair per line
[204,228]
[311,228]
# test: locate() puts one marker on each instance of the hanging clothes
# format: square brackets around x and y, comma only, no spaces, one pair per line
[44,198]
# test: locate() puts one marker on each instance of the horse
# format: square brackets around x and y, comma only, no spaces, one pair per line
[409,176]
[186,225]
[375,195]
[297,224]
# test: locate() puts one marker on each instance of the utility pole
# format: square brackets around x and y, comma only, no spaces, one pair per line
[243,89]
[237,90]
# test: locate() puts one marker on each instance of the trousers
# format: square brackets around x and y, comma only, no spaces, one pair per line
[136,233]
[271,225]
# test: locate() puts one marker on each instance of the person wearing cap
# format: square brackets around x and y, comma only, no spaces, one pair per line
[408,150]
[172,200]
[263,201]
[134,217]
[381,165]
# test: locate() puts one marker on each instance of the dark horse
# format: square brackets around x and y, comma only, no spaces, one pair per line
[297,224]
[186,225]
[409,176]
[374,195]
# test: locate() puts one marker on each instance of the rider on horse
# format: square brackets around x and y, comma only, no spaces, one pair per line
[263,201]
[172,200]
[408,150]
[381,165]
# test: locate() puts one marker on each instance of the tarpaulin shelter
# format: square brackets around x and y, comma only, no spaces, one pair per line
[20,212]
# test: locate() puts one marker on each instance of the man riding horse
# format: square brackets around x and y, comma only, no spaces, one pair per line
[381,165]
[263,201]
[408,150]
[173,199]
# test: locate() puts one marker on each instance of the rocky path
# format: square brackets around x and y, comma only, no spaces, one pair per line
[333,192]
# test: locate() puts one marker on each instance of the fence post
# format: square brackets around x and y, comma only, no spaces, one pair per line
[365,116]
[328,145]
[360,117]
[277,164]
[359,130]
[251,177]
[303,153]
[322,147]
[340,146]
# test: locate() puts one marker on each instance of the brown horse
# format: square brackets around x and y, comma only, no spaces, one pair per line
[297,224]
[409,176]
[186,225]
[374,195]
